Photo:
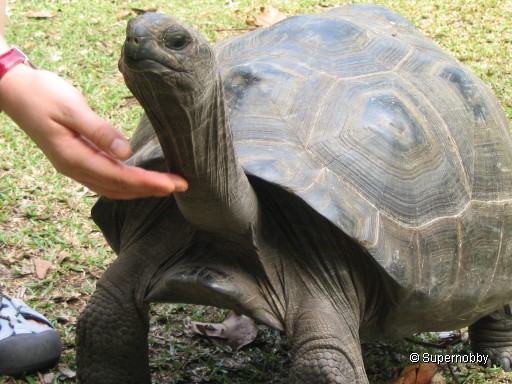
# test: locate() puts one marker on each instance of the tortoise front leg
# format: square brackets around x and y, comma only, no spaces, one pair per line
[112,332]
[492,336]
[325,346]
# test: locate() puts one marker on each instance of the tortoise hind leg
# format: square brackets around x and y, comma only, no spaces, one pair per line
[492,336]
[325,347]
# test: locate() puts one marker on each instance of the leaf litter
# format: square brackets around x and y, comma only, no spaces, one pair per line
[268,15]
[236,331]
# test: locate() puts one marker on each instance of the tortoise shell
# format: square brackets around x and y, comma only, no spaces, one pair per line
[385,135]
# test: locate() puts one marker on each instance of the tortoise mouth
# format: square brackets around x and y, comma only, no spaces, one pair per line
[129,64]
[143,65]
[143,54]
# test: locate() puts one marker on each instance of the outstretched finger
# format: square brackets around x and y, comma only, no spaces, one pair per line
[116,180]
[120,195]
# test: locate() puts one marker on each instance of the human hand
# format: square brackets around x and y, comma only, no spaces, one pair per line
[77,142]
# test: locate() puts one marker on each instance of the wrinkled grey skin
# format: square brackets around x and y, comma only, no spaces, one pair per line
[348,181]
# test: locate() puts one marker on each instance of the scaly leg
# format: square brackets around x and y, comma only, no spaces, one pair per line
[326,347]
[492,335]
[112,345]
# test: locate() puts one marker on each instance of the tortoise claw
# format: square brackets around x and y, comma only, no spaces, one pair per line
[499,358]
[505,363]
[492,336]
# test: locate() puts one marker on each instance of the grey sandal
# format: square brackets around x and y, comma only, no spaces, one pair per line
[28,341]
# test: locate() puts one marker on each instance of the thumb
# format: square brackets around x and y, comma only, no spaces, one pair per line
[103,135]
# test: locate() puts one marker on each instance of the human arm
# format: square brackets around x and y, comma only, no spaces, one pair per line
[77,142]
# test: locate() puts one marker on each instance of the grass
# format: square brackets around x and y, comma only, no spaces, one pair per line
[44,215]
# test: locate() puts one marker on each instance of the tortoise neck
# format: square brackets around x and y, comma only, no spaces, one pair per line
[197,143]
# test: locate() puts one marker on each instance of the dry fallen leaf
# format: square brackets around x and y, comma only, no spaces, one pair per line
[236,330]
[47,378]
[39,14]
[140,11]
[425,373]
[438,379]
[124,14]
[132,12]
[70,374]
[63,255]
[126,102]
[42,267]
[268,16]
[415,374]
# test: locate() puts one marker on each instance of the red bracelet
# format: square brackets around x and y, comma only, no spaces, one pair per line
[10,59]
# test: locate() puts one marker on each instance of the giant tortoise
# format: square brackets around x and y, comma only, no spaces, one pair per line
[348,181]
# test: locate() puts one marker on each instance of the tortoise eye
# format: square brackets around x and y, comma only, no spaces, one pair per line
[177,39]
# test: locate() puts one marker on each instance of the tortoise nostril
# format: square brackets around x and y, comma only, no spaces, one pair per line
[132,40]
[137,39]
[136,35]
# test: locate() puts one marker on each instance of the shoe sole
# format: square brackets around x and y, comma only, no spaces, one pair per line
[26,353]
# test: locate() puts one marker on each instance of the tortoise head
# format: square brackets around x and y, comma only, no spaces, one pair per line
[172,71]
[163,59]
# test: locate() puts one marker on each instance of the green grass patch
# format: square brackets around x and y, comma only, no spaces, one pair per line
[44,215]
